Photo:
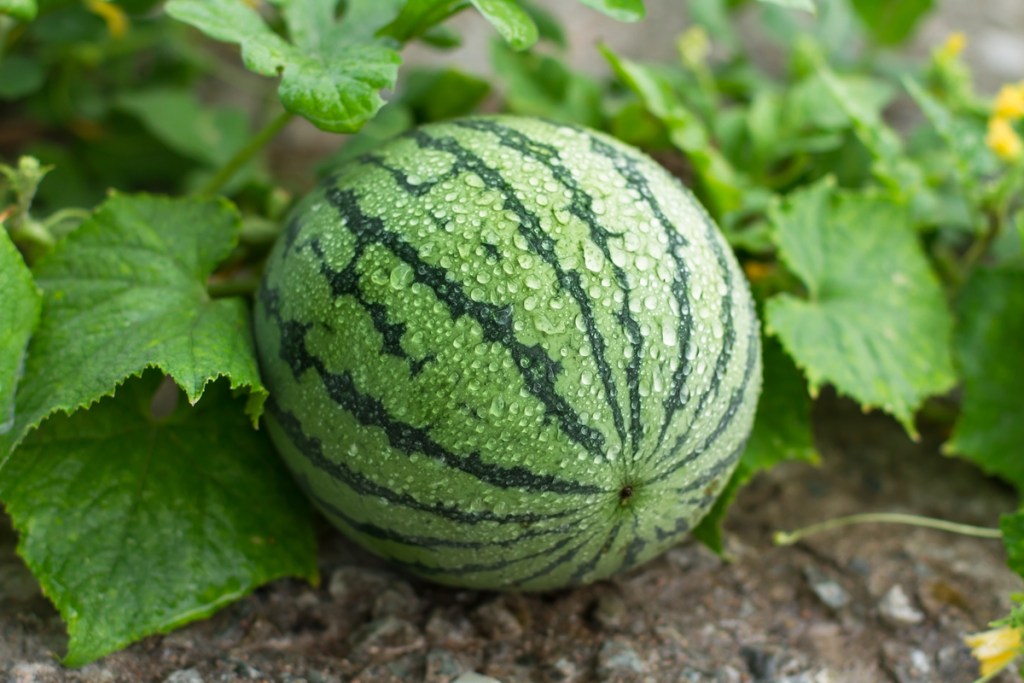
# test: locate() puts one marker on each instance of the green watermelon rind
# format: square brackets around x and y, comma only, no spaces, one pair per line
[507,353]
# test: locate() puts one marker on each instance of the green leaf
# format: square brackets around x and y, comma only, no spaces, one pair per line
[176,118]
[807,5]
[419,16]
[782,431]
[622,10]
[19,9]
[20,76]
[892,21]
[438,94]
[1012,527]
[127,291]
[136,524]
[874,322]
[540,85]
[19,309]
[512,22]
[987,342]
[331,76]
[891,165]
[722,186]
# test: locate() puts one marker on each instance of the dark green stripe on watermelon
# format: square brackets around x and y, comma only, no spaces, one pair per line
[581,206]
[542,245]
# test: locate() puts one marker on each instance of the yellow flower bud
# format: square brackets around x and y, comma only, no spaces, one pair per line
[954,45]
[1003,139]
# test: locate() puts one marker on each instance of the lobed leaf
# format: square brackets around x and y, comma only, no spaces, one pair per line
[782,431]
[19,309]
[127,291]
[136,524]
[332,75]
[990,326]
[874,322]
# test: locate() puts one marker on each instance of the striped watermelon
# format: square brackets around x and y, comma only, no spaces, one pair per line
[508,353]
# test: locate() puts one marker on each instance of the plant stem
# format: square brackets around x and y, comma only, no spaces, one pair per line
[225,289]
[245,154]
[791,537]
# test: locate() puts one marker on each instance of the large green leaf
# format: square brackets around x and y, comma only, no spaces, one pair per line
[990,328]
[874,321]
[127,291]
[890,22]
[19,315]
[135,524]
[1012,527]
[782,431]
[19,9]
[332,74]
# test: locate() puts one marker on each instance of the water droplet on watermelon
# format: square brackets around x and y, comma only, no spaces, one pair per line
[593,259]
[401,276]
[668,334]
[497,408]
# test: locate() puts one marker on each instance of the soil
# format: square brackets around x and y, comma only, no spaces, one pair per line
[868,603]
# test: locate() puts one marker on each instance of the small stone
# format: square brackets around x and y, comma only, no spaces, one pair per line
[474,677]
[826,588]
[564,671]
[457,634]
[35,672]
[96,673]
[385,638]
[907,665]
[184,676]
[442,666]
[497,622]
[397,600]
[897,610]
[350,585]
[617,657]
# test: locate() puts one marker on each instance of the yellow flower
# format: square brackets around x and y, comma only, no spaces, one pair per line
[1010,102]
[114,16]
[954,45]
[1003,139]
[995,649]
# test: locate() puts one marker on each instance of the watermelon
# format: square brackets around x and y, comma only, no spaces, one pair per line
[507,353]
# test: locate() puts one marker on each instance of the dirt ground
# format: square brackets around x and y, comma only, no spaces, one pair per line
[868,604]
